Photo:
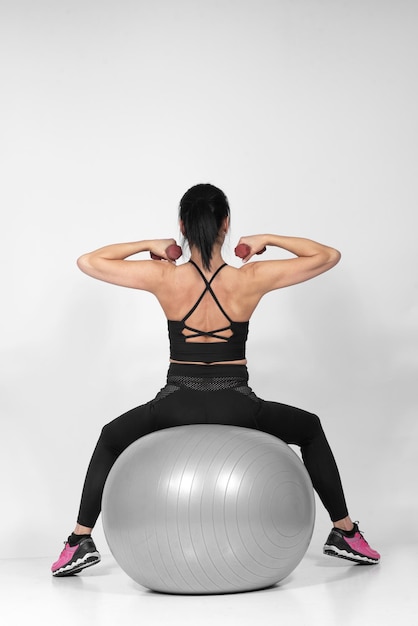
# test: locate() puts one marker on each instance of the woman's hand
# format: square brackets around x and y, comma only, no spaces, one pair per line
[256,243]
[159,248]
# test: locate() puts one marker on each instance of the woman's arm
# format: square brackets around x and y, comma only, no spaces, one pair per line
[110,265]
[312,259]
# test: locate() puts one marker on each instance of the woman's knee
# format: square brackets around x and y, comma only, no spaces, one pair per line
[313,426]
[107,436]
[315,422]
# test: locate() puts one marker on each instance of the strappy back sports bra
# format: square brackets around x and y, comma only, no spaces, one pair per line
[226,349]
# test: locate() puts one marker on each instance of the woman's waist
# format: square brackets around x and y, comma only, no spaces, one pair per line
[209,363]
[219,370]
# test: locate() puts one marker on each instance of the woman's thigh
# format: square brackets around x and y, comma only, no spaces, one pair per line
[128,427]
[182,407]
[292,425]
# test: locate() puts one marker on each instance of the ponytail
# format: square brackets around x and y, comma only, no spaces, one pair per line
[202,210]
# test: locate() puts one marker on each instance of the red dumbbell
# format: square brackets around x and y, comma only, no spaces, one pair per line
[173,252]
[243,250]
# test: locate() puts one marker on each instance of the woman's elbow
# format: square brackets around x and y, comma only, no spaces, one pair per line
[329,258]
[334,257]
[83,263]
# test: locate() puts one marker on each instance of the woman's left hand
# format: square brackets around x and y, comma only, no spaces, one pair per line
[158,248]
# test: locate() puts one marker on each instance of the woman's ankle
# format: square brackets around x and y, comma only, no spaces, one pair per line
[344,524]
[82,530]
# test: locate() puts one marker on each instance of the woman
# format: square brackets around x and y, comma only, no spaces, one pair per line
[208,305]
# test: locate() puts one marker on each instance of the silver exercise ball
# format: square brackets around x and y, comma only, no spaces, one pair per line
[208,508]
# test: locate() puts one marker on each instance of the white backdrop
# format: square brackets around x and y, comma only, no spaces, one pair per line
[305,113]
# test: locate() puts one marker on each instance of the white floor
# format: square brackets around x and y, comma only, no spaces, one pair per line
[322,590]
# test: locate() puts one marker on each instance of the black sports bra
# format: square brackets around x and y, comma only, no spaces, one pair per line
[226,349]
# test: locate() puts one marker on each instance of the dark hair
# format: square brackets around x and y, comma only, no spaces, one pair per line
[202,211]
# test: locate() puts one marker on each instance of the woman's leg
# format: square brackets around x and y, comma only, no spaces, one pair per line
[304,429]
[114,439]
[80,551]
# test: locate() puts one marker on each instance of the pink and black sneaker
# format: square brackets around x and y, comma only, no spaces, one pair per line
[75,558]
[351,546]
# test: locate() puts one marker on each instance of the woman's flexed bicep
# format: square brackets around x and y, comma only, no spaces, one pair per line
[311,259]
[110,264]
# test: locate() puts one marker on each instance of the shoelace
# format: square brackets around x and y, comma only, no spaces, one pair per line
[359,531]
[66,547]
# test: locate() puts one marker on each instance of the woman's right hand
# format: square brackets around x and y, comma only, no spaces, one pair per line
[256,243]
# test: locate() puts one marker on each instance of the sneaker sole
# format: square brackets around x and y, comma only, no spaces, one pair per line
[89,559]
[349,556]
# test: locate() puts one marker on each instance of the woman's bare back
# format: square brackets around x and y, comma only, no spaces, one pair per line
[184,286]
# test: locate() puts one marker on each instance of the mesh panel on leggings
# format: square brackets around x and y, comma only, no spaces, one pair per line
[247,391]
[166,391]
[207,384]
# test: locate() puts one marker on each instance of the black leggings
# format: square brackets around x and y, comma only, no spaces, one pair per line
[218,394]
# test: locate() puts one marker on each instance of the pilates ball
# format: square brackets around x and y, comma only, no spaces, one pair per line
[208,509]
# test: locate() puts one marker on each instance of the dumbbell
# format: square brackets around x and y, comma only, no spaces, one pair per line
[173,252]
[243,250]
